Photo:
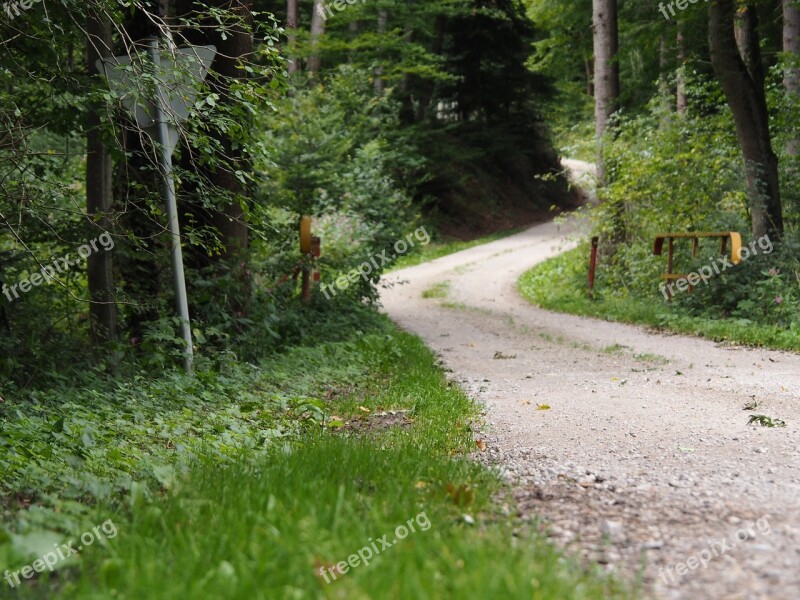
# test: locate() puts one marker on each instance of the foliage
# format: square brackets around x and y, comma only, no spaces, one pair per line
[333,162]
[106,440]
[650,157]
[560,284]
[46,99]
[268,523]
[766,421]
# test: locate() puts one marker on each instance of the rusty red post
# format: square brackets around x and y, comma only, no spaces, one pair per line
[593,263]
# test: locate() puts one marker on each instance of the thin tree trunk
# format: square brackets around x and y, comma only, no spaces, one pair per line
[791,46]
[606,98]
[383,20]
[587,66]
[429,89]
[317,31]
[99,196]
[236,46]
[682,102]
[291,29]
[737,62]
[663,80]
[606,71]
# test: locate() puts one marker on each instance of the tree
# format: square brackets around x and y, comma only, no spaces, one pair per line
[383,20]
[317,31]
[99,197]
[291,26]
[682,102]
[791,46]
[736,58]
[606,71]
[234,46]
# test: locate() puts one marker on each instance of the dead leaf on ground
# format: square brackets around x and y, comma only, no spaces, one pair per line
[461,495]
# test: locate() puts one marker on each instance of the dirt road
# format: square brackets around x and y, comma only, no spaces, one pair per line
[644,459]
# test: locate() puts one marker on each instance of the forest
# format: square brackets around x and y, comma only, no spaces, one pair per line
[208,210]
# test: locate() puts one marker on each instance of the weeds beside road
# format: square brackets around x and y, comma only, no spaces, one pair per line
[560,284]
[380,435]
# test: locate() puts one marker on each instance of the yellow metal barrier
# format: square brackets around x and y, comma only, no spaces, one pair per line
[670,275]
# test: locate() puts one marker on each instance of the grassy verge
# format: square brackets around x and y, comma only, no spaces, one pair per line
[387,452]
[559,284]
[436,250]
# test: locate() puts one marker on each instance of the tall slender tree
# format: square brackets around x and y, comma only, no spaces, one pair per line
[291,30]
[99,195]
[681,101]
[736,57]
[317,31]
[233,47]
[791,47]
[606,71]
[383,21]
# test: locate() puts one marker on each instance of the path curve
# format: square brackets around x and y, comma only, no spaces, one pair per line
[645,455]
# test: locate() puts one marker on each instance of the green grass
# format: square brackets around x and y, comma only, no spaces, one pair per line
[436,250]
[438,290]
[559,284]
[261,525]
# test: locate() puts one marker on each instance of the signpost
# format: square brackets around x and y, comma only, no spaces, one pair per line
[176,74]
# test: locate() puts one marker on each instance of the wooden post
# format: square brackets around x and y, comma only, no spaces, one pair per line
[593,264]
[316,252]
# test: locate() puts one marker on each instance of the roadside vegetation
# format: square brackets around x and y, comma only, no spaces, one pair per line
[560,284]
[245,485]
[309,425]
[755,303]
[444,247]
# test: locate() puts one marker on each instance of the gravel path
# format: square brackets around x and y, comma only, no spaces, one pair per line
[644,460]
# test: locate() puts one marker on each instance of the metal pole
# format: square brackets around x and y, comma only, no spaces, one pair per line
[172,217]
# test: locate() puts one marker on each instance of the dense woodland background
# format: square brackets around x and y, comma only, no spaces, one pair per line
[384,113]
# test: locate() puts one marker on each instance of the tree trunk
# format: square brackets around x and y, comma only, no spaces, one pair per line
[737,63]
[383,20]
[291,29]
[588,71]
[317,31]
[791,46]
[99,196]
[236,46]
[682,102]
[664,92]
[606,71]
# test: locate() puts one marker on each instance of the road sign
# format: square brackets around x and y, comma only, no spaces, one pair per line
[178,73]
[158,107]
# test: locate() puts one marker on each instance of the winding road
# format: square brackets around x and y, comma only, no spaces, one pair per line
[631,446]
